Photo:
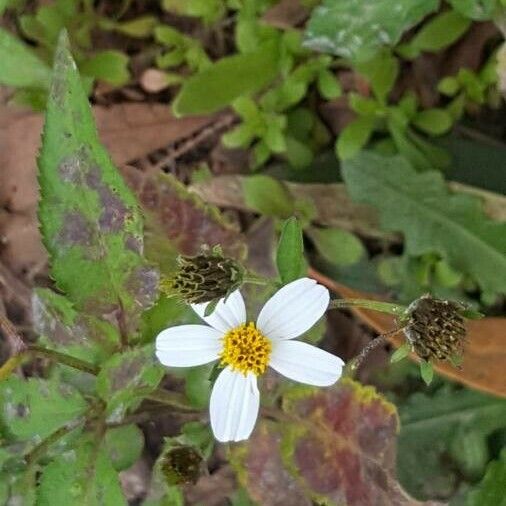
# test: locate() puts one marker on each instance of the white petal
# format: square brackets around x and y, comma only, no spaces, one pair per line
[305,363]
[294,309]
[188,345]
[227,315]
[234,405]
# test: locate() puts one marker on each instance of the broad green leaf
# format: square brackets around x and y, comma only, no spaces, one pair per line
[232,76]
[430,425]
[433,121]
[431,218]
[62,328]
[19,66]
[33,409]
[90,221]
[439,33]
[83,476]
[290,253]
[126,378]
[490,491]
[357,29]
[124,445]
[381,72]
[267,196]
[337,246]
[480,10]
[336,447]
[328,85]
[354,137]
[109,65]
[139,27]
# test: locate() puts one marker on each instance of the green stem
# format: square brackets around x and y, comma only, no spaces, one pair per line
[62,358]
[255,280]
[171,399]
[374,305]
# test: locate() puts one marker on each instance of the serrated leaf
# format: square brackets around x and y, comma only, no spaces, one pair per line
[124,445]
[62,328]
[431,218]
[84,476]
[179,222]
[90,221]
[429,424]
[290,253]
[336,448]
[214,88]
[267,196]
[126,378]
[19,66]
[337,246]
[357,29]
[35,408]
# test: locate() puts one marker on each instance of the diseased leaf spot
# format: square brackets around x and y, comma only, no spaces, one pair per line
[143,283]
[134,244]
[76,231]
[122,376]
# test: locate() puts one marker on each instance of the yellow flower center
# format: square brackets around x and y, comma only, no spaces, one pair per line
[246,349]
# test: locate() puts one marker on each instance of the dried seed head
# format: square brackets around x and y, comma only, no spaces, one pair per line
[181,464]
[435,328]
[206,277]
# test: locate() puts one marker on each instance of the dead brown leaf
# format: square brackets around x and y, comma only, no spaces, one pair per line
[484,356]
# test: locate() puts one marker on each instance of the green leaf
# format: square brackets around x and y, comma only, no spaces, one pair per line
[490,491]
[290,253]
[433,121]
[400,353]
[268,196]
[84,476]
[439,33]
[124,445]
[429,426]
[381,72]
[109,65]
[90,221]
[431,218]
[219,85]
[62,328]
[480,10]
[126,378]
[357,29]
[19,66]
[139,27]
[426,371]
[35,408]
[337,246]
[328,85]
[354,137]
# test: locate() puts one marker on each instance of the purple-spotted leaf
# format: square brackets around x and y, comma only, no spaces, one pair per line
[89,219]
[179,222]
[337,447]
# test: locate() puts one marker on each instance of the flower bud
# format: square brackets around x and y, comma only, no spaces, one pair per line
[435,328]
[206,277]
[181,464]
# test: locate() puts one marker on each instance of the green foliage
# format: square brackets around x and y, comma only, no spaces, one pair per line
[290,253]
[213,89]
[126,378]
[354,137]
[124,445]
[268,196]
[34,409]
[337,246]
[111,66]
[431,219]
[479,10]
[451,422]
[89,219]
[357,30]
[490,491]
[84,476]
[19,66]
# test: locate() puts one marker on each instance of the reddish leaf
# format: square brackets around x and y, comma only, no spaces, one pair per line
[337,446]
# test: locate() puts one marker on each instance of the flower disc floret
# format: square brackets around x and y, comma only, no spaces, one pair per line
[246,349]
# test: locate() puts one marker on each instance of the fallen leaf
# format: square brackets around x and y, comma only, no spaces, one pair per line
[484,355]
[333,446]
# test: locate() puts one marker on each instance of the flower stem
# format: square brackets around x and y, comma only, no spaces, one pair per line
[169,399]
[374,305]
[63,358]
[254,279]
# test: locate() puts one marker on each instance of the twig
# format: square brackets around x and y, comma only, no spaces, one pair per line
[382,307]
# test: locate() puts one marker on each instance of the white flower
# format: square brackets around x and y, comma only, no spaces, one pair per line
[246,349]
